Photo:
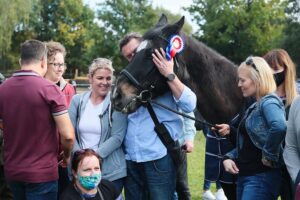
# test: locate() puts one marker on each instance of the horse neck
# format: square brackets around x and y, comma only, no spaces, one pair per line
[197,52]
[213,79]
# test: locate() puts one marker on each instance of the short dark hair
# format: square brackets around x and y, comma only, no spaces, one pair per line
[129,37]
[32,51]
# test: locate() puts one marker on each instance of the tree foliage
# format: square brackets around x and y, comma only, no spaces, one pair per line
[66,21]
[11,14]
[69,22]
[238,28]
[291,39]
[119,17]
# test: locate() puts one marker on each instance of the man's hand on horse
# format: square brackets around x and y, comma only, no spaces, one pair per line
[164,66]
[223,129]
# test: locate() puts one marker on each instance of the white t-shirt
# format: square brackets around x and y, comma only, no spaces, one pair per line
[90,126]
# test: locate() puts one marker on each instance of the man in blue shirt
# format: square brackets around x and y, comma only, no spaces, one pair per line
[151,171]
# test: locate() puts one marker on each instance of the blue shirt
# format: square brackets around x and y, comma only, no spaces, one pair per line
[141,142]
[189,129]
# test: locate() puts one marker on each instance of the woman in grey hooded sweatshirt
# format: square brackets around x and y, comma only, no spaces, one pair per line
[97,126]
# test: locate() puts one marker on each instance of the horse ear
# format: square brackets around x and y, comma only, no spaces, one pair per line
[162,21]
[180,23]
[174,28]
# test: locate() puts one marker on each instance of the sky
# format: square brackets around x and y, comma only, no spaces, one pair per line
[175,6]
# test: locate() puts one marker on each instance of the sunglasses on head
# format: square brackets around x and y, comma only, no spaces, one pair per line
[249,61]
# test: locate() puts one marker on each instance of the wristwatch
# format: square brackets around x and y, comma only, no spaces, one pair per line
[171,77]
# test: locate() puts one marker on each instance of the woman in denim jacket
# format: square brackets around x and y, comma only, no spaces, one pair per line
[97,126]
[258,155]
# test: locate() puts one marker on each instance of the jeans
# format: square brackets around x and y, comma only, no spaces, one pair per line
[206,185]
[264,186]
[119,184]
[182,186]
[34,191]
[154,180]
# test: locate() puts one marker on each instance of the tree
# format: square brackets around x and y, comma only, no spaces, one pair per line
[12,13]
[119,17]
[67,21]
[291,39]
[238,28]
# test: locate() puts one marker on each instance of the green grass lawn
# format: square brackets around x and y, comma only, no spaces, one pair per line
[196,167]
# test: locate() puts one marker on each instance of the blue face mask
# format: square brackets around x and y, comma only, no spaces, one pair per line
[89,182]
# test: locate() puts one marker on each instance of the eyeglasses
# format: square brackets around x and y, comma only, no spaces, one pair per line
[58,65]
[249,61]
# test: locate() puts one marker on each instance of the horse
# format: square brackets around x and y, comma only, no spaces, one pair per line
[211,76]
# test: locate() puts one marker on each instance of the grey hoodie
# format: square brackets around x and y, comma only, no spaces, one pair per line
[113,129]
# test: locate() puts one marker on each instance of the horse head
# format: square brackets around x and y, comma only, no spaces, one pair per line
[141,78]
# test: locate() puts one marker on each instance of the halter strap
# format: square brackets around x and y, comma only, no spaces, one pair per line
[133,80]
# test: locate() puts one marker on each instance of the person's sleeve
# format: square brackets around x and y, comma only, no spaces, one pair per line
[189,129]
[118,130]
[231,154]
[187,101]
[73,109]
[73,112]
[55,99]
[291,152]
[109,190]
[275,118]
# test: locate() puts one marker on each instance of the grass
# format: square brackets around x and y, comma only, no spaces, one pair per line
[196,167]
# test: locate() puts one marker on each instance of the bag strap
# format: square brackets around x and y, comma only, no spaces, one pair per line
[161,129]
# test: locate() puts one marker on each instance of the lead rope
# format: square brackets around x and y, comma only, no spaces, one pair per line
[182,114]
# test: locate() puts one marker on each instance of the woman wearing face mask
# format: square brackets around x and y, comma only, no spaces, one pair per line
[285,77]
[284,74]
[87,182]
[97,125]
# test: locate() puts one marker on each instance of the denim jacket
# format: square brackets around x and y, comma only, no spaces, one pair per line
[266,126]
[113,129]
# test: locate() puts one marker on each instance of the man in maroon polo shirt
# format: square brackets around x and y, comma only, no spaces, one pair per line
[32,114]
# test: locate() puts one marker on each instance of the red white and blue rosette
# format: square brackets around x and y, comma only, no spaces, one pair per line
[174,47]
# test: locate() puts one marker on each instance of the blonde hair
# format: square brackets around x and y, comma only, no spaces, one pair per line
[279,58]
[261,74]
[100,63]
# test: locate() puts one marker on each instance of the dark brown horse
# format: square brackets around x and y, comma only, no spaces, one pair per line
[210,75]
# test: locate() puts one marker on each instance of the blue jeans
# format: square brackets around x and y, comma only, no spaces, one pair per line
[119,184]
[264,186]
[154,180]
[206,185]
[34,191]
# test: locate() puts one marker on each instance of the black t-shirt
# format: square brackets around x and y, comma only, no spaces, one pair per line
[249,158]
[107,189]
